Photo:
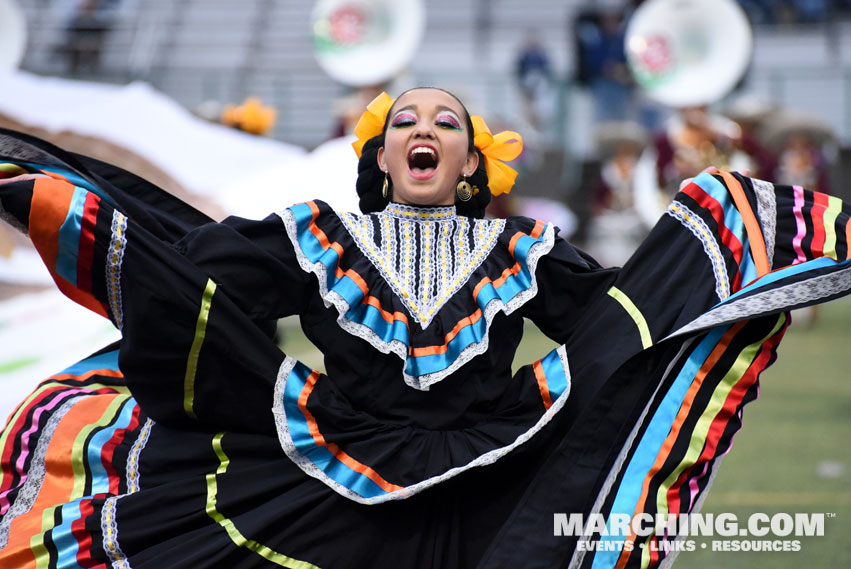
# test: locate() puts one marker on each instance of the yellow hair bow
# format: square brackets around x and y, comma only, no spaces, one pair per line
[371,123]
[497,149]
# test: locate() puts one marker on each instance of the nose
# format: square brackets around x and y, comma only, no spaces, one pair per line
[424,130]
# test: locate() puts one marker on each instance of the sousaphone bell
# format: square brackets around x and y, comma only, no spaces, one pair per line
[687,53]
[366,42]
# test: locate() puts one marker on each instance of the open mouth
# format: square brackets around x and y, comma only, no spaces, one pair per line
[422,161]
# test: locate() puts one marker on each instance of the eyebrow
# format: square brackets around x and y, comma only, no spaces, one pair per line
[413,107]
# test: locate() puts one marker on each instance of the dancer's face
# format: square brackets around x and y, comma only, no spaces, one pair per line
[426,147]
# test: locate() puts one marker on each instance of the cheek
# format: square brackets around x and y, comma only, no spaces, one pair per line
[394,152]
[459,157]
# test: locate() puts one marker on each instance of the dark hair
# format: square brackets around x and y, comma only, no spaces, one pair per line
[371,178]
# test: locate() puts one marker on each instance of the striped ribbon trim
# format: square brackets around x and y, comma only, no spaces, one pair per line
[831,213]
[757,243]
[58,543]
[28,419]
[642,484]
[726,401]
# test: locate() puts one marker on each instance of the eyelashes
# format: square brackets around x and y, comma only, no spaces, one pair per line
[445,120]
[448,121]
[402,120]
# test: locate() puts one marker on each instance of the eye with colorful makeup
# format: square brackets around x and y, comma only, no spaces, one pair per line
[449,121]
[402,120]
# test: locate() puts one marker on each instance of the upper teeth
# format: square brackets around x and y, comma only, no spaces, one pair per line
[422,150]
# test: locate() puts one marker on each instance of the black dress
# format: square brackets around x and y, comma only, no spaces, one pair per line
[195,442]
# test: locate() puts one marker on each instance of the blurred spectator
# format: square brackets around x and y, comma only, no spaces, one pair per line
[616,228]
[800,141]
[752,115]
[809,11]
[803,163]
[787,11]
[619,144]
[85,35]
[760,11]
[602,63]
[348,108]
[534,77]
[692,140]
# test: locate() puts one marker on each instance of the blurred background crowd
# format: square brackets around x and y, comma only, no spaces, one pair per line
[601,157]
[599,151]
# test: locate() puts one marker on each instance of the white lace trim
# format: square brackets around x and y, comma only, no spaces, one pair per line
[781,298]
[109,528]
[31,488]
[108,520]
[114,258]
[699,229]
[405,211]
[132,469]
[766,202]
[490,457]
[421,382]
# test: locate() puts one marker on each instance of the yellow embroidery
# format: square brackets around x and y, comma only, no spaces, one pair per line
[114,258]
[426,256]
[710,246]
[439,214]
[427,265]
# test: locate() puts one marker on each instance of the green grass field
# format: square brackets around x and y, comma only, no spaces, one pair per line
[793,454]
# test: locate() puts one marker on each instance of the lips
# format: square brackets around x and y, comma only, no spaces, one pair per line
[422,161]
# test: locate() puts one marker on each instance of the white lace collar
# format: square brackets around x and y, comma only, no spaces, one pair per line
[425,254]
[420,213]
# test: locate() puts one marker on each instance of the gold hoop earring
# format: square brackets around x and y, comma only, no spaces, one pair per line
[385,187]
[463,190]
